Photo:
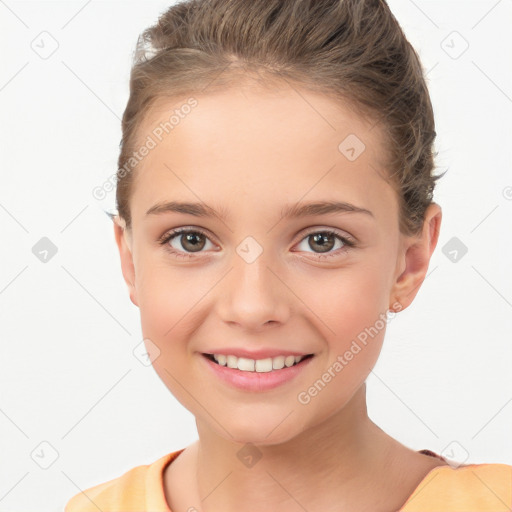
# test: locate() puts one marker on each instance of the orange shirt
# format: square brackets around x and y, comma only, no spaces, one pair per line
[470,488]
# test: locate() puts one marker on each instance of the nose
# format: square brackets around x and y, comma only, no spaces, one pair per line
[253,295]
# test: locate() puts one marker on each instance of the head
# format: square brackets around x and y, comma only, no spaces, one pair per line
[254,110]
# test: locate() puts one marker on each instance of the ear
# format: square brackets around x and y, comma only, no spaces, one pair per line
[415,258]
[124,243]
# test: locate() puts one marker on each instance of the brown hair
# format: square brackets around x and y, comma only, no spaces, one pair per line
[351,50]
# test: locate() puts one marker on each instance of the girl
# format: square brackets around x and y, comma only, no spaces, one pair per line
[274,196]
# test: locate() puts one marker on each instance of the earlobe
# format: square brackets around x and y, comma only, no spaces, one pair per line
[415,258]
[125,252]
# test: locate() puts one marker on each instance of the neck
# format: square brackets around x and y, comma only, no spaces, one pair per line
[342,461]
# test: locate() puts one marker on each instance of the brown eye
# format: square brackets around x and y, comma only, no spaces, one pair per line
[184,242]
[192,241]
[325,241]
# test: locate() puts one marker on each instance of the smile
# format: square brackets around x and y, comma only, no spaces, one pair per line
[256,375]
[256,365]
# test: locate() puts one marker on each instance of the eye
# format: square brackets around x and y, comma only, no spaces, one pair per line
[325,241]
[194,241]
[191,240]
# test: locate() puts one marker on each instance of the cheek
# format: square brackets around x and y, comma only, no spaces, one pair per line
[169,297]
[352,308]
[356,320]
[159,305]
[349,300]
[169,304]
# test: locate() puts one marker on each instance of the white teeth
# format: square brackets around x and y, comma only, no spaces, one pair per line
[264,365]
[278,362]
[259,365]
[231,361]
[289,360]
[246,365]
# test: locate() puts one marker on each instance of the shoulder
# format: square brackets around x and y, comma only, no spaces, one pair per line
[129,492]
[475,487]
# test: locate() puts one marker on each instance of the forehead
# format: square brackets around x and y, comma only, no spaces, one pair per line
[255,143]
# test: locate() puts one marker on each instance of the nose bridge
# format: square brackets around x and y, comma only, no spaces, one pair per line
[252,295]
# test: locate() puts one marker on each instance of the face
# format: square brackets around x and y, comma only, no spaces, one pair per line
[253,281]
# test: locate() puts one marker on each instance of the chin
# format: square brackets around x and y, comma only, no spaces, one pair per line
[261,433]
[261,440]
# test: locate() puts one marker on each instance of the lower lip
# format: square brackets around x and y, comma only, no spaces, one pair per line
[257,381]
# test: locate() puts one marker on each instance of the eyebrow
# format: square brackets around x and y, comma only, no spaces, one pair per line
[288,211]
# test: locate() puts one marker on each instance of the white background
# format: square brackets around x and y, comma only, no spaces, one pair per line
[68,376]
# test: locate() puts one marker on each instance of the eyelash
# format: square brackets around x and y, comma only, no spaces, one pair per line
[169,235]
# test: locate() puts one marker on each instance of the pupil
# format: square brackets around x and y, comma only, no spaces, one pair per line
[189,238]
[322,237]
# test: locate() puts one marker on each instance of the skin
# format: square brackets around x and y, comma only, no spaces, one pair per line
[249,152]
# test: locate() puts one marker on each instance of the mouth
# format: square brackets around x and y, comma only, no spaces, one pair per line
[267,365]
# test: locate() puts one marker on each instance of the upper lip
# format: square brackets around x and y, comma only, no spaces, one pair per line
[256,354]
